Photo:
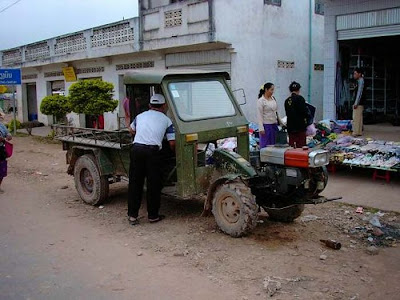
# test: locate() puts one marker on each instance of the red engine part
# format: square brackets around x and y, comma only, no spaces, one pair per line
[297,157]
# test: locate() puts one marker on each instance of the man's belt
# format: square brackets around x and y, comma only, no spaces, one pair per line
[148,147]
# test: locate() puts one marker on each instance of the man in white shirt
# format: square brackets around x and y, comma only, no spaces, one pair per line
[149,129]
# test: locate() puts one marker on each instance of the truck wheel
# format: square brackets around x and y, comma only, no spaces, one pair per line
[235,209]
[91,187]
[287,215]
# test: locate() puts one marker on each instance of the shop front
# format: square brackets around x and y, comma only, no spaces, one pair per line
[378,58]
[362,34]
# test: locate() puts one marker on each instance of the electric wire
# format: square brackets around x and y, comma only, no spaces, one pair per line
[9,6]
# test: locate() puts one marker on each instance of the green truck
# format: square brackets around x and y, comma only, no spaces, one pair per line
[233,184]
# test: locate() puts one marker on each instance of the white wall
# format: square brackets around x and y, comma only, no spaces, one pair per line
[263,34]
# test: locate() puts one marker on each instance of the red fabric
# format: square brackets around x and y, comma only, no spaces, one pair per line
[101,122]
[297,139]
[8,148]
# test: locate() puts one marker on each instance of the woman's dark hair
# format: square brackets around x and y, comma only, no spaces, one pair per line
[294,86]
[359,71]
[266,87]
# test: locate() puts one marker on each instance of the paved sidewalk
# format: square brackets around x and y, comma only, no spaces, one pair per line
[357,187]
[38,131]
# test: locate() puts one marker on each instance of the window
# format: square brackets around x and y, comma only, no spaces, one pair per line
[319,7]
[197,100]
[273,2]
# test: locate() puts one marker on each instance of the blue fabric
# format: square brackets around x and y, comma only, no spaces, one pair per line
[3,132]
[269,136]
[3,169]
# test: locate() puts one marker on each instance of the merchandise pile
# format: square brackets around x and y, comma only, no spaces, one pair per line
[360,152]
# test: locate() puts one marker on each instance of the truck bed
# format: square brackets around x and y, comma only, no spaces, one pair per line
[117,139]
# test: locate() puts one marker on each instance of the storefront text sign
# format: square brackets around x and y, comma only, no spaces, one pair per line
[69,74]
[10,76]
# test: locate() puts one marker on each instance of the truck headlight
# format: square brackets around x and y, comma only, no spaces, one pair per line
[318,158]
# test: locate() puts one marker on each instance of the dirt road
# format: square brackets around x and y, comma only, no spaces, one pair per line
[53,246]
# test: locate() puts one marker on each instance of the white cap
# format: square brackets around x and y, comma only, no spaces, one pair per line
[157,99]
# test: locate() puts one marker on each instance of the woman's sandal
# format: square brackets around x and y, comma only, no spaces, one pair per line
[133,221]
[158,219]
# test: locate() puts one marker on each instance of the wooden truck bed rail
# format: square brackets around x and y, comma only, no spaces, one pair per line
[95,137]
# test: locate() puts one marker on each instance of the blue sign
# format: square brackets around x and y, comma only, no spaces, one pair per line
[10,76]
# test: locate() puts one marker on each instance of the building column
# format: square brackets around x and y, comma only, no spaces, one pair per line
[330,58]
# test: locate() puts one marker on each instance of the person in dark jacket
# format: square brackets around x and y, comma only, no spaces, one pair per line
[297,115]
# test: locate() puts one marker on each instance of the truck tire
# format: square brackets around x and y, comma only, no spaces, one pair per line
[91,187]
[235,209]
[286,215]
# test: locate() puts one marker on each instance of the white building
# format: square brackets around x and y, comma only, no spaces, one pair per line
[362,33]
[256,41]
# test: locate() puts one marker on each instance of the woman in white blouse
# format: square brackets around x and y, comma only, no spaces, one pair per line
[267,115]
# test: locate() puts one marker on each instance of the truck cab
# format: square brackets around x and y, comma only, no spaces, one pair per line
[202,109]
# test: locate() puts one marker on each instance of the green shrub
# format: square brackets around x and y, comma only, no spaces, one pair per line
[92,97]
[10,125]
[55,105]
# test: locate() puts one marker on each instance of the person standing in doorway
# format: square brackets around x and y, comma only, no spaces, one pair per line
[127,111]
[359,99]
[149,129]
[297,116]
[267,115]
[4,136]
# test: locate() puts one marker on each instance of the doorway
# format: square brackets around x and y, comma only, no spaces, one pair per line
[31,97]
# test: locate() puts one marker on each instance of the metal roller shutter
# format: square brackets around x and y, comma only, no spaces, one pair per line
[368,32]
[368,24]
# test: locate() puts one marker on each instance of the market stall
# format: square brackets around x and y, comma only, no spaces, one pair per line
[335,137]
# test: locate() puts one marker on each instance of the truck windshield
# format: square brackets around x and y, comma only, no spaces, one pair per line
[197,100]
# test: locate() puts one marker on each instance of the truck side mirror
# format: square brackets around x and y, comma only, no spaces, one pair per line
[240,96]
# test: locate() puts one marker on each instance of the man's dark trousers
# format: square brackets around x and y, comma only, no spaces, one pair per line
[145,163]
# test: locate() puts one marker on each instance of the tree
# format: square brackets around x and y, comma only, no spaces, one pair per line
[92,97]
[55,105]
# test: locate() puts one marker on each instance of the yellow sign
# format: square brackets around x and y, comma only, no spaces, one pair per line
[3,89]
[69,74]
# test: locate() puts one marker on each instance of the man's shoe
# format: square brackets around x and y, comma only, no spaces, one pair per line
[133,221]
[158,219]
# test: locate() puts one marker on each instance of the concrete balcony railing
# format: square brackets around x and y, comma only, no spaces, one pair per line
[111,39]
[177,24]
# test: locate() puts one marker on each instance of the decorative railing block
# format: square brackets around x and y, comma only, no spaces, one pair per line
[285,64]
[37,51]
[70,44]
[173,18]
[12,57]
[89,70]
[137,65]
[29,76]
[53,74]
[112,35]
